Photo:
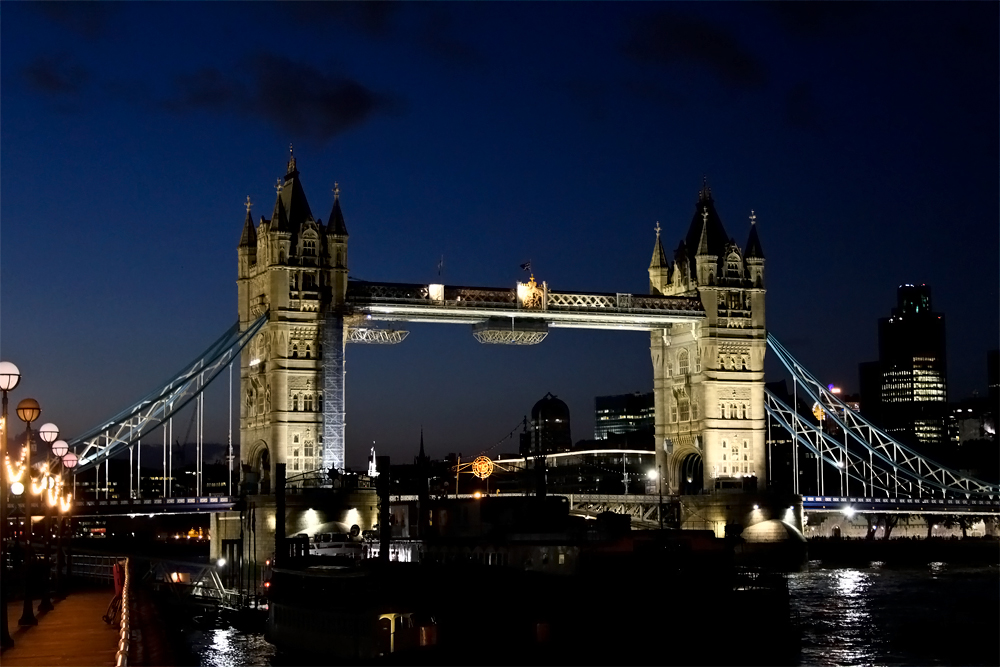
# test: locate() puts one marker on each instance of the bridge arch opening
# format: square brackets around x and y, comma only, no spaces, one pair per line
[692,470]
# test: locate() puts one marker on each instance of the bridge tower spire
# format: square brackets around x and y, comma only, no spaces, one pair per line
[295,268]
[708,377]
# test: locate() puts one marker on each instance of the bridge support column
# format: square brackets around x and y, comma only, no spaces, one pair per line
[334,421]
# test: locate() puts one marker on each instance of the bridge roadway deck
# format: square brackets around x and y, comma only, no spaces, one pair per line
[72,634]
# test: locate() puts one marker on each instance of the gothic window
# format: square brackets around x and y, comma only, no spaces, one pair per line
[744,362]
[309,281]
[684,407]
[307,403]
[722,361]
[295,402]
[670,365]
[319,402]
[295,458]
[711,278]
[281,256]
[673,410]
[683,363]
[694,410]
[309,247]
[697,360]
[308,351]
[308,449]
[723,412]
[295,350]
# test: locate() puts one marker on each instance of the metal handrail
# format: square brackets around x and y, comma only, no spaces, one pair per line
[125,628]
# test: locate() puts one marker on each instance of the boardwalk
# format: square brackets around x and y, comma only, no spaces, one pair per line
[72,634]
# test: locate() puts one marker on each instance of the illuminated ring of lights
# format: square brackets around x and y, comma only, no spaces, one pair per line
[482,467]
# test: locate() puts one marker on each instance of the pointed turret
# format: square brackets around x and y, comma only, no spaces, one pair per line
[659,268]
[421,456]
[249,237]
[335,224]
[659,260]
[753,247]
[279,218]
[708,226]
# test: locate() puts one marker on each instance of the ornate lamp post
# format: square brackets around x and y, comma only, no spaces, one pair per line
[9,377]
[28,411]
[658,476]
[48,433]
[68,460]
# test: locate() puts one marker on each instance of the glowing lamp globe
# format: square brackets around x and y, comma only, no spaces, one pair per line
[17,488]
[28,410]
[9,376]
[69,460]
[48,432]
[59,448]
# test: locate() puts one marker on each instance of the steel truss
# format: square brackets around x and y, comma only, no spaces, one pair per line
[131,424]
[899,458]
[831,451]
[376,336]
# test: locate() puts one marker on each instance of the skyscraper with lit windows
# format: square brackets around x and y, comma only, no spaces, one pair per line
[906,390]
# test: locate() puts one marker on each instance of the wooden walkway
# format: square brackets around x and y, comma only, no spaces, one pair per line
[72,634]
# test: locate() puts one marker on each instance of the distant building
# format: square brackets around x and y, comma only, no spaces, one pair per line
[906,392]
[550,430]
[622,414]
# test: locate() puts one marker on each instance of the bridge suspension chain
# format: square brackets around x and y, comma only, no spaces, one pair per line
[131,424]
[898,456]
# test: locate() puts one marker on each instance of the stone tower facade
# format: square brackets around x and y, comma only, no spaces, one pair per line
[293,267]
[708,377]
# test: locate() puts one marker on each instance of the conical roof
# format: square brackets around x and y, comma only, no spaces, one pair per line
[753,248]
[249,237]
[335,224]
[659,260]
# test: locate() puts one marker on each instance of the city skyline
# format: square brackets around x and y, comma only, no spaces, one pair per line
[870,160]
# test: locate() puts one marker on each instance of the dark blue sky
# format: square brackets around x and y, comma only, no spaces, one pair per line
[863,135]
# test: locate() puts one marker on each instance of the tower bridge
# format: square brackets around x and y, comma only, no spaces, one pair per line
[705,313]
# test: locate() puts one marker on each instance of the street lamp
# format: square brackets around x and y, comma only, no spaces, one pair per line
[68,460]
[28,411]
[9,377]
[49,433]
[658,476]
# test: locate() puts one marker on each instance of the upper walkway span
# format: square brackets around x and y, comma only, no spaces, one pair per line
[472,305]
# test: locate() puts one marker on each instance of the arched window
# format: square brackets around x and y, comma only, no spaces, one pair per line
[309,247]
[683,362]
[295,402]
[694,410]
[308,351]
[744,362]
[307,402]
[684,407]
[319,402]
[281,256]
[670,365]
[673,410]
[295,350]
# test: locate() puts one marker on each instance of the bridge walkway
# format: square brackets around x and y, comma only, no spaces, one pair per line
[72,634]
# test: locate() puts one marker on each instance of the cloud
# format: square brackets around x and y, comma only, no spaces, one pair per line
[801,109]
[372,18]
[88,19]
[296,98]
[55,75]
[671,39]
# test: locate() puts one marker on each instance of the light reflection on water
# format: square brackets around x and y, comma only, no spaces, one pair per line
[884,616]
[228,647]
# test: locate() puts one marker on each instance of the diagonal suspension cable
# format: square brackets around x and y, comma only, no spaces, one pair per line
[117,433]
[871,438]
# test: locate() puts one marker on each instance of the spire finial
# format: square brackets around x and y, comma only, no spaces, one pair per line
[704,214]
[248,204]
[336,190]
[753,217]
[278,186]
[657,228]
[291,159]
[291,151]
[706,192]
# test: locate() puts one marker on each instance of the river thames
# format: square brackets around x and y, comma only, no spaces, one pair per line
[938,614]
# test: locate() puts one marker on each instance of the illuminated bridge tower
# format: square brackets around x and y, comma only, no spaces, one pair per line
[294,267]
[708,376]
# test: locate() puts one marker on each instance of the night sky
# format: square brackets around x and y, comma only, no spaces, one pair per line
[865,137]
